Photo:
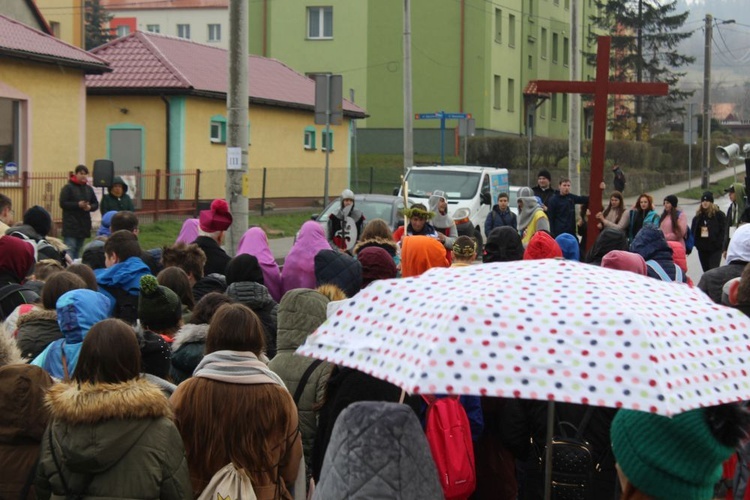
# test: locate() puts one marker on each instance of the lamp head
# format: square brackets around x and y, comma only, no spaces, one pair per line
[727,153]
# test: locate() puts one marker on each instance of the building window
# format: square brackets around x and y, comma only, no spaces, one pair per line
[183,31]
[310,138]
[320,23]
[531,63]
[326,139]
[153,28]
[55,27]
[531,11]
[511,30]
[10,140]
[214,32]
[511,95]
[543,110]
[566,49]
[544,43]
[565,107]
[556,2]
[496,95]
[567,4]
[555,43]
[123,30]
[218,129]
[498,25]
[553,104]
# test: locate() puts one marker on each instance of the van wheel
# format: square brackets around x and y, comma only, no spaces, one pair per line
[480,242]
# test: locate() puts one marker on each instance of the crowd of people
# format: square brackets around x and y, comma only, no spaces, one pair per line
[142,373]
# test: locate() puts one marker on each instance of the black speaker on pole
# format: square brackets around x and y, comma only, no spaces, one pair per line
[104,172]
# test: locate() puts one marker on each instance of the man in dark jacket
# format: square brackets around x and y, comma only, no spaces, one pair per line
[619,179]
[543,189]
[117,198]
[561,209]
[77,200]
[500,215]
[213,223]
[738,255]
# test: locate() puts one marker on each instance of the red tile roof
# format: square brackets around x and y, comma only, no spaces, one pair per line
[114,5]
[21,41]
[152,63]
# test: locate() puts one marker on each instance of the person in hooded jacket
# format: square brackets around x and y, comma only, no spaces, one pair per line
[738,256]
[255,242]
[111,434]
[642,214]
[542,246]
[734,213]
[299,265]
[650,244]
[77,312]
[188,231]
[609,239]
[16,263]
[625,261]
[190,340]
[531,215]
[245,285]
[679,256]
[503,245]
[442,221]
[23,420]
[39,328]
[709,224]
[77,200]
[339,232]
[338,269]
[117,197]
[420,253]
[302,311]
[377,264]
[569,246]
[398,463]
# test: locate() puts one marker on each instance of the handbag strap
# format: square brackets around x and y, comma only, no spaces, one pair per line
[64,362]
[584,421]
[303,381]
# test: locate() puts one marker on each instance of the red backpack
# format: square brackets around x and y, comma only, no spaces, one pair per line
[449,435]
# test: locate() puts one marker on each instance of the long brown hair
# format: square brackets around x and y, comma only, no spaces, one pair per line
[235,327]
[620,210]
[109,354]
[650,202]
[377,228]
[176,279]
[672,217]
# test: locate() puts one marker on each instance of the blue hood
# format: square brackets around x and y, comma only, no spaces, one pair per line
[650,244]
[569,246]
[125,275]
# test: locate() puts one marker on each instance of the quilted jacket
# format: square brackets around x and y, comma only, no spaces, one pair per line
[256,297]
[378,450]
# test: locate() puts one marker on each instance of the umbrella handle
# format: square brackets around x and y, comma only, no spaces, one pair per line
[548,451]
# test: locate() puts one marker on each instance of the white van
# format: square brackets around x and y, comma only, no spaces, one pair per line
[465,186]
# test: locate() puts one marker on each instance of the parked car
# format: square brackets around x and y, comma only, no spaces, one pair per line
[373,206]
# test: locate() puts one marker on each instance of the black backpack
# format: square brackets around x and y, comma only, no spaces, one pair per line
[126,305]
[13,295]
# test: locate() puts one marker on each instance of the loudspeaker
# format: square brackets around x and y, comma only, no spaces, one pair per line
[726,154]
[104,172]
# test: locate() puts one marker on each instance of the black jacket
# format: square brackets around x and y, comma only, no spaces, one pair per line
[716,227]
[543,194]
[712,282]
[561,211]
[216,258]
[650,244]
[77,221]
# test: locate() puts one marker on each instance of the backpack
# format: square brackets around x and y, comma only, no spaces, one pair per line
[43,249]
[126,305]
[12,295]
[229,483]
[573,463]
[656,267]
[449,436]
[689,241]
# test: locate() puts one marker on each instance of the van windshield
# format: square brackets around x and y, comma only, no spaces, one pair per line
[456,185]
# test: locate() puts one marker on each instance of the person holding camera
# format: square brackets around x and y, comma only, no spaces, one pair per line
[77,200]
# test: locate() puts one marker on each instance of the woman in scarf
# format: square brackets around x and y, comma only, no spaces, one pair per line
[642,214]
[614,215]
[234,409]
[531,216]
[255,242]
[299,266]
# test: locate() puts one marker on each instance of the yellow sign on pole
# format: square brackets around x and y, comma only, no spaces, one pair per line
[246,185]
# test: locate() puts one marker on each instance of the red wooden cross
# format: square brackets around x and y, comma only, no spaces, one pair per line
[601,88]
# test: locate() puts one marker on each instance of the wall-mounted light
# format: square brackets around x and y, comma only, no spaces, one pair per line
[124,111]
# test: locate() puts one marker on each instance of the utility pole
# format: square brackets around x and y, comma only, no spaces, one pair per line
[237,121]
[574,113]
[639,71]
[706,150]
[355,163]
[408,113]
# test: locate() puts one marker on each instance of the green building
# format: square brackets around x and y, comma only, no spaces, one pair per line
[471,56]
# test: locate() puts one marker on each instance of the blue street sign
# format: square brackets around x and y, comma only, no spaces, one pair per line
[428,116]
[442,116]
[457,116]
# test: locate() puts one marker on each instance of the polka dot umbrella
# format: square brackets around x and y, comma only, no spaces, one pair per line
[548,330]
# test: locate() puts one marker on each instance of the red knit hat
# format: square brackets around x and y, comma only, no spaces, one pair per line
[217,218]
[542,246]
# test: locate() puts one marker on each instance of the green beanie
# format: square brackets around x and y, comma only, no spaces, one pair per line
[159,307]
[668,458]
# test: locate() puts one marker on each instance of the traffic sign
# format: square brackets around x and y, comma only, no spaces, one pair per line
[428,116]
[457,116]
[11,168]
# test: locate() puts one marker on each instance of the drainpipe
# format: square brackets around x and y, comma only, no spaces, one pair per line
[265,28]
[461,58]
[168,162]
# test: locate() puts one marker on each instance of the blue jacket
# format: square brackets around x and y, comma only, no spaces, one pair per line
[650,244]
[496,218]
[125,275]
[77,312]
[561,211]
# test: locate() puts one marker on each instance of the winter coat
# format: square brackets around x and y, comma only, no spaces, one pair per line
[187,351]
[734,212]
[670,232]
[77,221]
[48,251]
[256,297]
[398,463]
[216,258]
[110,202]
[543,194]
[118,438]
[651,245]
[638,219]
[302,311]
[336,268]
[23,418]
[712,282]
[346,386]
[524,432]
[389,246]
[496,218]
[36,330]
[208,284]
[715,221]
[609,239]
[503,245]
[561,211]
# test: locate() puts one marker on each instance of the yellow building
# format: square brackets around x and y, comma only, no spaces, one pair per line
[65,19]
[163,107]
[42,108]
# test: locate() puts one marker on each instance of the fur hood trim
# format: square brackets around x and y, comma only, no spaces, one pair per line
[10,354]
[58,244]
[37,314]
[82,404]
[188,334]
[381,242]
[333,292]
